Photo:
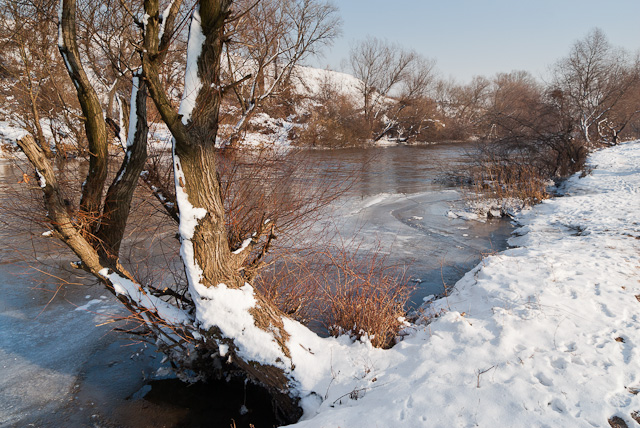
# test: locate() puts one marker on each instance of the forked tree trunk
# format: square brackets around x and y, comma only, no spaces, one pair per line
[230,322]
[227,307]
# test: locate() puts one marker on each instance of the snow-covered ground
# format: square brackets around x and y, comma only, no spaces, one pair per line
[9,134]
[543,335]
[312,82]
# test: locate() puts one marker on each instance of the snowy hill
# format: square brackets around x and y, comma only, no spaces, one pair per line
[309,81]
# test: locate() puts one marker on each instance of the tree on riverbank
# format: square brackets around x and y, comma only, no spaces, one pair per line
[221,325]
[393,80]
[594,79]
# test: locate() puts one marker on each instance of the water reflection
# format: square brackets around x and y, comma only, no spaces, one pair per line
[395,170]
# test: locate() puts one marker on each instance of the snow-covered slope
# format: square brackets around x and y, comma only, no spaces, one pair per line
[311,82]
[308,82]
[544,335]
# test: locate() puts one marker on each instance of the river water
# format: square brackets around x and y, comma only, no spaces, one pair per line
[63,365]
[400,202]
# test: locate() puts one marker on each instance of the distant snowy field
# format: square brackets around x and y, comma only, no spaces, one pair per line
[544,335]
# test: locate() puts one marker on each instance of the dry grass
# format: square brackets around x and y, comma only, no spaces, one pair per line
[363,297]
[292,286]
[504,181]
[340,290]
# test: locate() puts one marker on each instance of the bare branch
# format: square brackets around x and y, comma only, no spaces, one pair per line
[94,122]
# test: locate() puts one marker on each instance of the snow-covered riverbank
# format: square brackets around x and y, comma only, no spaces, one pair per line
[546,334]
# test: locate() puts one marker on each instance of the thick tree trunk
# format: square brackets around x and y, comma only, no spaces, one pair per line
[244,326]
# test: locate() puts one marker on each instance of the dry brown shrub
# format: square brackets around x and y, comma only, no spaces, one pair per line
[340,291]
[334,123]
[362,296]
[510,180]
[293,286]
[333,120]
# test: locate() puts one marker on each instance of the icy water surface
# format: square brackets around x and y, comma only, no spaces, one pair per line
[401,203]
[64,366]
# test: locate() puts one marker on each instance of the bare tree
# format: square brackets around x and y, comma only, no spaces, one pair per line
[513,105]
[592,79]
[411,109]
[626,110]
[464,106]
[527,136]
[264,45]
[220,325]
[382,68]
[38,85]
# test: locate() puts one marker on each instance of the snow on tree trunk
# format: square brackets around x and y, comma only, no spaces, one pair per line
[237,324]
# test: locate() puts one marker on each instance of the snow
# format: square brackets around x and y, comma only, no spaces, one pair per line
[313,81]
[163,20]
[229,310]
[133,112]
[189,217]
[142,297]
[133,122]
[373,200]
[223,350]
[10,132]
[482,208]
[244,245]
[121,135]
[41,179]
[192,83]
[545,334]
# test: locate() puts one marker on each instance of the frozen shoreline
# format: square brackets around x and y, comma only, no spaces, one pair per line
[545,334]
[541,335]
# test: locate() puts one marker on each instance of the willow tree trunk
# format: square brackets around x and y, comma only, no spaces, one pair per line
[237,323]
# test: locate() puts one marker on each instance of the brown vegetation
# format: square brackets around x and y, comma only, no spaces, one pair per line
[334,121]
[344,290]
[364,297]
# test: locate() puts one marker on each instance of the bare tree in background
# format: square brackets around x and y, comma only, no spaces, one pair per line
[626,110]
[38,87]
[512,105]
[592,78]
[266,43]
[411,110]
[385,69]
[464,106]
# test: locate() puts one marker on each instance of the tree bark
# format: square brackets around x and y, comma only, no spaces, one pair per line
[117,202]
[94,122]
[210,265]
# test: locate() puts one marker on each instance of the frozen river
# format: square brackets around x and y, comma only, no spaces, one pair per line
[401,203]
[63,365]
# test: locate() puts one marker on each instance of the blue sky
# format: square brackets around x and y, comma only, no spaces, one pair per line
[469,37]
